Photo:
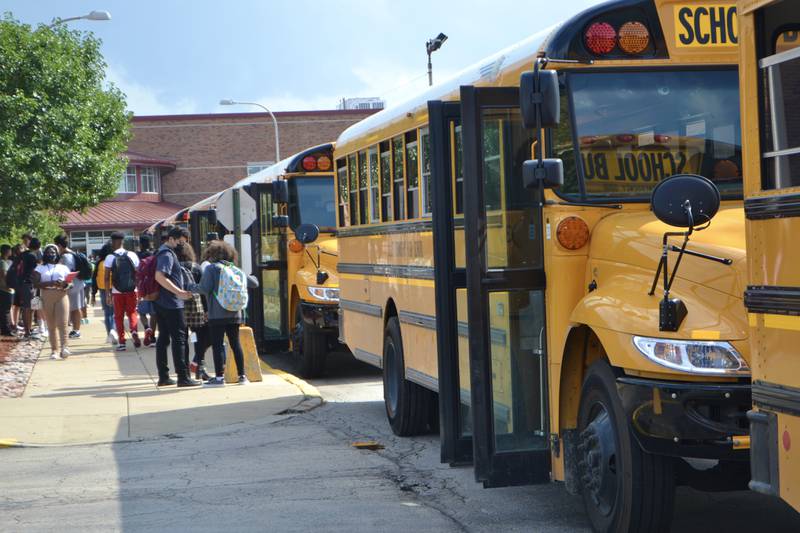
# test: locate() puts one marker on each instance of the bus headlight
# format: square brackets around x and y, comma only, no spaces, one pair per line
[324,293]
[696,357]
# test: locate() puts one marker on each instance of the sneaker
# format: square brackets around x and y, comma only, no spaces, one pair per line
[65,352]
[34,337]
[243,380]
[74,334]
[166,382]
[54,356]
[121,347]
[114,337]
[218,381]
[188,382]
[202,375]
[110,338]
[148,336]
[136,341]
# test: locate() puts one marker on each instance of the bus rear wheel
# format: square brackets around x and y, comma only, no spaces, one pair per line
[408,405]
[309,348]
[623,487]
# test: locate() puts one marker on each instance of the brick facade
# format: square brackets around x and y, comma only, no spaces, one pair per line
[212,151]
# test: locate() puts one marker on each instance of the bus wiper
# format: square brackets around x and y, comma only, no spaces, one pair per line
[589,204]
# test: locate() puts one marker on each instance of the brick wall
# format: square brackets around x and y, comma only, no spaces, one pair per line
[212,151]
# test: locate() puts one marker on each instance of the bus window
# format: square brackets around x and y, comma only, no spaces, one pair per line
[399,178]
[353,180]
[492,171]
[787,40]
[412,174]
[344,210]
[425,150]
[363,170]
[386,182]
[563,148]
[310,202]
[780,137]
[373,185]
[458,169]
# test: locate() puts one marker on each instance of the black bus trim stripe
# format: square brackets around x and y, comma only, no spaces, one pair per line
[781,206]
[389,271]
[361,307]
[774,397]
[770,299]
[418,226]
[498,336]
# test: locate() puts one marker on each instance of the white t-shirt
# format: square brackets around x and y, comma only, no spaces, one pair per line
[109,262]
[49,273]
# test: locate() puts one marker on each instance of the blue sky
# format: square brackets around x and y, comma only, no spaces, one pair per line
[180,56]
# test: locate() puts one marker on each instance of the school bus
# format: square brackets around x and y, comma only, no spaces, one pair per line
[770,103]
[522,290]
[288,243]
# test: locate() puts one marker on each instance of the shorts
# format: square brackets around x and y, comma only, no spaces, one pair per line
[24,295]
[145,307]
[77,298]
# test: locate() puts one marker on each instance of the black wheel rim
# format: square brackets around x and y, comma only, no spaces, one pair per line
[599,465]
[391,386]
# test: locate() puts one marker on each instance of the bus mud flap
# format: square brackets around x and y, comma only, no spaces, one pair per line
[571,475]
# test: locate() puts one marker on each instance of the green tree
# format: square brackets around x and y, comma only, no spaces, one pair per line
[62,128]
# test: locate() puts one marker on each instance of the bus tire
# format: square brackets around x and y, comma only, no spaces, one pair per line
[624,488]
[407,404]
[309,347]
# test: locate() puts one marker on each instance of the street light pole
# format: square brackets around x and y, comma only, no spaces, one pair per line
[94,15]
[431,46]
[274,122]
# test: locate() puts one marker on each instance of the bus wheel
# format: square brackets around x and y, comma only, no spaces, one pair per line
[623,487]
[407,404]
[309,349]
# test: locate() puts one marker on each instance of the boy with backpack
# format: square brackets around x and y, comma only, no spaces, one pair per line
[120,268]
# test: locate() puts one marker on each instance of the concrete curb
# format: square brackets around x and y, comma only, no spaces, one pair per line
[312,397]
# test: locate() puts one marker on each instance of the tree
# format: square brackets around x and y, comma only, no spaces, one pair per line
[61,130]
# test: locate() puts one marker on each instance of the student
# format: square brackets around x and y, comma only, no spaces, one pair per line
[13,284]
[195,312]
[77,296]
[51,279]
[169,310]
[26,289]
[147,313]
[121,277]
[221,322]
[7,329]
[99,285]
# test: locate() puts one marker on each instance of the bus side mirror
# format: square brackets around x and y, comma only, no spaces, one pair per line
[685,200]
[548,172]
[280,192]
[280,221]
[546,99]
[306,233]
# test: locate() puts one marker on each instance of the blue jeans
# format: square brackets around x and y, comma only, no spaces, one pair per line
[108,311]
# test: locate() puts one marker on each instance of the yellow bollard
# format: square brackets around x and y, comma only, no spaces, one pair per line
[252,365]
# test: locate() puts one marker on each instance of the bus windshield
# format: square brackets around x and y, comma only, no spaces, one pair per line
[634,129]
[311,201]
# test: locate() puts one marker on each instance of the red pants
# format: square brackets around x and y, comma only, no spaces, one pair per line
[125,304]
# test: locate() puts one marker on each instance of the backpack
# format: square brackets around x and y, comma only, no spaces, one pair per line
[231,290]
[14,274]
[123,274]
[83,266]
[146,279]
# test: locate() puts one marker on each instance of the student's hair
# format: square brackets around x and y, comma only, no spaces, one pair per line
[220,251]
[4,248]
[176,232]
[26,236]
[62,240]
[117,236]
[145,241]
[185,253]
[105,250]
[35,244]
[54,248]
[16,250]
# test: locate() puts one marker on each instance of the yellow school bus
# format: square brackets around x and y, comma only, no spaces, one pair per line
[520,299]
[770,99]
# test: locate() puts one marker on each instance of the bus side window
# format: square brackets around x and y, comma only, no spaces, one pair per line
[412,175]
[425,160]
[353,180]
[398,175]
[373,185]
[363,170]
[341,178]
[458,170]
[781,135]
[386,182]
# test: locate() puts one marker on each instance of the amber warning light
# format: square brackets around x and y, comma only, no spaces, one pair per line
[321,163]
[601,38]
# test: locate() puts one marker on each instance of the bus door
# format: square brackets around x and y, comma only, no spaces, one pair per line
[201,223]
[270,311]
[451,282]
[505,293]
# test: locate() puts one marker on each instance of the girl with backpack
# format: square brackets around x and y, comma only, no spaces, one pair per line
[194,312]
[222,284]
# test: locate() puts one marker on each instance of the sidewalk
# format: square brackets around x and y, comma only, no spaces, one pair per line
[100,395]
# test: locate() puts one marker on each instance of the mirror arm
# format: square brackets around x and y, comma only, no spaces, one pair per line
[316,264]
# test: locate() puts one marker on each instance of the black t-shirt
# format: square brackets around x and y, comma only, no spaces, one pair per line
[29,262]
[145,253]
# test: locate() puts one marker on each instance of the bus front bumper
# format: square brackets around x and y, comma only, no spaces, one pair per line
[321,316]
[687,419]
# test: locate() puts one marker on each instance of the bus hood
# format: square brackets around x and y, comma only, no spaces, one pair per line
[634,238]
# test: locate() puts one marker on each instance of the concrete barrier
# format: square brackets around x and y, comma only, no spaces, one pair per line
[252,364]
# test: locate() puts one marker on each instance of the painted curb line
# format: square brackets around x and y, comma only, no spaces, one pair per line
[313,398]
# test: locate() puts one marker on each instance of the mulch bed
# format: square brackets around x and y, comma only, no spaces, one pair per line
[17,359]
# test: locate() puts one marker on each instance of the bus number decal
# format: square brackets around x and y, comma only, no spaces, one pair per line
[706,25]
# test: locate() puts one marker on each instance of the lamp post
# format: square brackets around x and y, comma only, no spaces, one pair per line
[431,46]
[274,121]
[94,15]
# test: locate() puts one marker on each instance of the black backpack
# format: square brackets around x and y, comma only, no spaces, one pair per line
[123,273]
[83,266]
[13,274]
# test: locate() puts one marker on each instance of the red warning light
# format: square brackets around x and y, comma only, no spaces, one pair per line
[600,38]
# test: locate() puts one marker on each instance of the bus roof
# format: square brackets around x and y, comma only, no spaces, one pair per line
[285,166]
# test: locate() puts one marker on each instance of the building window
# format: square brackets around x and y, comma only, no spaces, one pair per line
[257,166]
[128,181]
[89,242]
[150,179]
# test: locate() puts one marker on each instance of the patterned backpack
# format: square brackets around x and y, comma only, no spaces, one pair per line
[231,290]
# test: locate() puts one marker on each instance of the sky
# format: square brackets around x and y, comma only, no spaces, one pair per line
[181,56]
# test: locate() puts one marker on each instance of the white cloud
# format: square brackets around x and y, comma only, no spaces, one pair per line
[146,100]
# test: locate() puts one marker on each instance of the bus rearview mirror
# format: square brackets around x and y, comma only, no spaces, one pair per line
[546,99]
[306,233]
[685,200]
[547,172]
[280,192]
[280,221]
